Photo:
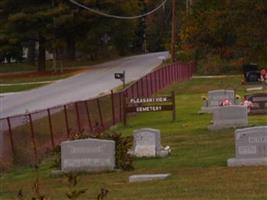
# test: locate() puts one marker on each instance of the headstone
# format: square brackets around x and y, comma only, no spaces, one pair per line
[147,177]
[147,143]
[259,103]
[229,117]
[216,97]
[250,147]
[88,155]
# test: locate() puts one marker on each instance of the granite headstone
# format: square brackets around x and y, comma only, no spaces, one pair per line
[147,143]
[259,103]
[229,117]
[216,97]
[250,147]
[88,155]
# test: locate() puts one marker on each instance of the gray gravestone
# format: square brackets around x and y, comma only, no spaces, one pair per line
[216,97]
[250,147]
[147,143]
[229,117]
[88,155]
[259,103]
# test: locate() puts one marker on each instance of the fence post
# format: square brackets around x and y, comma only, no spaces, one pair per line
[151,84]
[176,73]
[124,109]
[142,87]
[174,107]
[137,89]
[162,77]
[11,137]
[166,76]
[100,113]
[132,91]
[33,139]
[147,85]
[67,121]
[120,105]
[78,117]
[158,79]
[155,81]
[88,116]
[112,107]
[51,129]
[173,73]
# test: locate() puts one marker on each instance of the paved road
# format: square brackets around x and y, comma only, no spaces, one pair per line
[80,87]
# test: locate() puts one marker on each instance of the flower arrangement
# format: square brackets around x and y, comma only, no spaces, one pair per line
[204,98]
[237,97]
[248,104]
[226,102]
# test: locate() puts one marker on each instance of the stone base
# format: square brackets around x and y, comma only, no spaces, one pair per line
[205,109]
[147,177]
[56,173]
[237,162]
[214,128]
[162,153]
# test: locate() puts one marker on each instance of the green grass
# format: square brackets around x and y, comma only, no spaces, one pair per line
[19,88]
[197,162]
[15,83]
[67,64]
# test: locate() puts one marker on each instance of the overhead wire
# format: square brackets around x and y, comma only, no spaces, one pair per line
[98,12]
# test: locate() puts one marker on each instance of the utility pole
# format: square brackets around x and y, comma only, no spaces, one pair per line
[189,4]
[173,40]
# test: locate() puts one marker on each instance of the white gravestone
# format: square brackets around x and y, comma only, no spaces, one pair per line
[229,117]
[88,155]
[216,97]
[250,147]
[147,143]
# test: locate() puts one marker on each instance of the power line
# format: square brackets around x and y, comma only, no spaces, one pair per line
[116,16]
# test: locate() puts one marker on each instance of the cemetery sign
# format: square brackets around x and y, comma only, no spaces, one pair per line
[150,104]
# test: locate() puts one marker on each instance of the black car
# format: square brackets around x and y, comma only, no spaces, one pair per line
[251,72]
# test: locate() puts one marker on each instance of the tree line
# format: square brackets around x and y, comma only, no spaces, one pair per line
[225,28]
[68,31]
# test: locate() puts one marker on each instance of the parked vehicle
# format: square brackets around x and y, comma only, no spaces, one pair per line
[251,72]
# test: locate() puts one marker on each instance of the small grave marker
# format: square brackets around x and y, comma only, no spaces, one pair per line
[147,143]
[147,177]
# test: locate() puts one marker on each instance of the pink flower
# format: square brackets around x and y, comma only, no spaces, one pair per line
[226,102]
[248,104]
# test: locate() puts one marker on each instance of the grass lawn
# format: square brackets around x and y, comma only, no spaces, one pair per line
[67,64]
[197,162]
[30,80]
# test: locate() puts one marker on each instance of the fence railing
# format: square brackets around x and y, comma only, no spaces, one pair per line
[27,138]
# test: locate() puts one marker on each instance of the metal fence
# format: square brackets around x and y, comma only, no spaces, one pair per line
[27,138]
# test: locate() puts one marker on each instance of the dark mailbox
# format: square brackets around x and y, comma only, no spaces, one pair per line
[119,76]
